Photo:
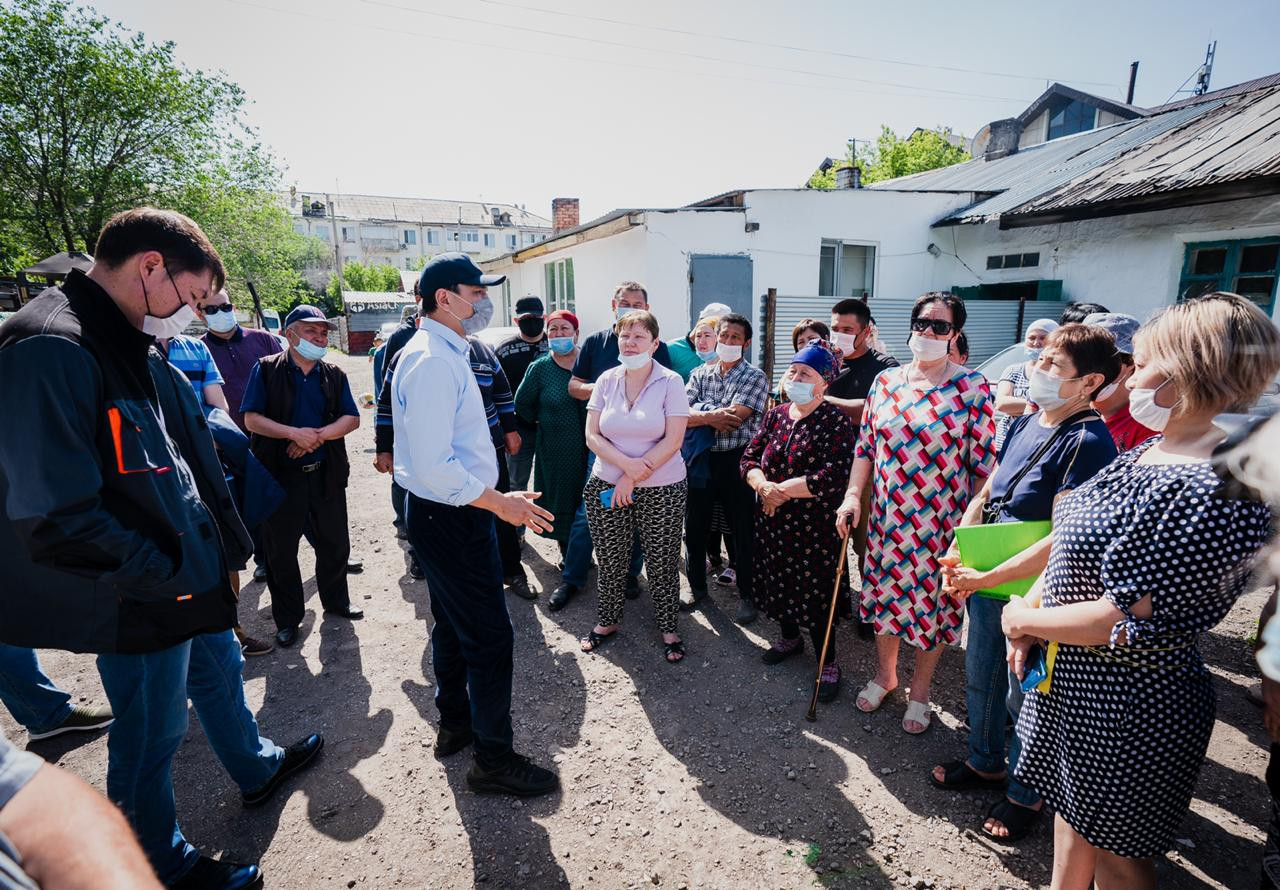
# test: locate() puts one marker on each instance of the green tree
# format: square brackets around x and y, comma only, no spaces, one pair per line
[95,119]
[892,156]
[376,278]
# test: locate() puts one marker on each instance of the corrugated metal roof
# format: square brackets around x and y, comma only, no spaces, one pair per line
[1230,140]
[420,210]
[1271,80]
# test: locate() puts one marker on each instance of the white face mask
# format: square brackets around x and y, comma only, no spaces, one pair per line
[1046,390]
[1143,408]
[169,326]
[635,362]
[800,393]
[846,343]
[926,349]
[1108,391]
[222,322]
[727,353]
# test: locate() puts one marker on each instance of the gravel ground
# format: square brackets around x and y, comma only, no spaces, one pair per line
[701,775]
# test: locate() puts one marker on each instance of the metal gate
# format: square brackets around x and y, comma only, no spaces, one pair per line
[991,325]
[720,279]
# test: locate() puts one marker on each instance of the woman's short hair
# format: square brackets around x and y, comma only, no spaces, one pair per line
[809,324]
[950,300]
[1220,350]
[637,318]
[1091,349]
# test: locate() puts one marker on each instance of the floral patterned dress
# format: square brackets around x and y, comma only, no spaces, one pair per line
[797,548]
[930,449]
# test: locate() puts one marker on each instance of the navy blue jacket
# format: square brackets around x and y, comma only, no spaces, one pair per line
[114,521]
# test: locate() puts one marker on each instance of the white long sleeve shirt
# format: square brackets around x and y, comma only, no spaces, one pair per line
[443,450]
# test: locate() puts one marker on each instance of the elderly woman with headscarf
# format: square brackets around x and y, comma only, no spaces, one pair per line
[1012,399]
[798,465]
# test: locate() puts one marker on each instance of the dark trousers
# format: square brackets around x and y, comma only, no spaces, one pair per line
[472,640]
[305,504]
[508,534]
[738,500]
[791,631]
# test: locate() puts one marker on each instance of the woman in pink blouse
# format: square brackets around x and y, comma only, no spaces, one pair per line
[635,426]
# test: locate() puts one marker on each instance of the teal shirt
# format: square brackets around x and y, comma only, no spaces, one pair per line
[684,358]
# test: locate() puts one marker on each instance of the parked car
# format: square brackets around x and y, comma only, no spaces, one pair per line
[494,336]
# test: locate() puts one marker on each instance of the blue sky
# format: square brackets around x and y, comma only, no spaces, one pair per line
[521,101]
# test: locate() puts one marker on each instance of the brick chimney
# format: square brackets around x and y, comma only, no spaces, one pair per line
[564,213]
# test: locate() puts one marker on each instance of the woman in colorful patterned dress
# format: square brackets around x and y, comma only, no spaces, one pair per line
[560,451]
[798,465]
[1147,556]
[925,448]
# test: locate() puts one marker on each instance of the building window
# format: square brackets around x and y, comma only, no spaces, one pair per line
[530,238]
[433,236]
[410,237]
[559,285]
[454,236]
[471,237]
[1249,268]
[846,270]
[349,234]
[512,241]
[300,227]
[321,232]
[1067,116]
[1013,261]
[490,239]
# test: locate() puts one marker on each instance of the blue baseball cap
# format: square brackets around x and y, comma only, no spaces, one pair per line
[308,313]
[1118,325]
[448,270]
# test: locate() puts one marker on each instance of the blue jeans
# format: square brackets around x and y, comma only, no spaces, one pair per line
[577,558]
[29,695]
[991,693]
[472,640]
[148,694]
[520,464]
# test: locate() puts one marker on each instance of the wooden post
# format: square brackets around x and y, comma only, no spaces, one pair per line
[770,318]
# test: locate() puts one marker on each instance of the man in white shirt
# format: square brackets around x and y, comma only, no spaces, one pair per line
[444,458]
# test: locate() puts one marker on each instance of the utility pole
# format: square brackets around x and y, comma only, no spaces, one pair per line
[337,238]
[1206,70]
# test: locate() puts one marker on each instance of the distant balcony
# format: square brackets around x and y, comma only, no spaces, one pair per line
[315,208]
[382,244]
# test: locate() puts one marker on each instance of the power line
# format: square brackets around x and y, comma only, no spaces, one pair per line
[611,62]
[785,46]
[720,60]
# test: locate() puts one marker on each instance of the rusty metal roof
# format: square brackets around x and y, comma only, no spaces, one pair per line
[1225,149]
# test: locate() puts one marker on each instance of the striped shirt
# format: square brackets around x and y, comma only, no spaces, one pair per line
[193,359]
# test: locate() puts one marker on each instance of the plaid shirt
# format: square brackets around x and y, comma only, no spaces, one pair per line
[745,384]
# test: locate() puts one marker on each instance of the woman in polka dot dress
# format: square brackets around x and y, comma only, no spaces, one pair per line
[1146,556]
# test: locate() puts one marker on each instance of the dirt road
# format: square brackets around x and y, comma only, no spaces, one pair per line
[701,775]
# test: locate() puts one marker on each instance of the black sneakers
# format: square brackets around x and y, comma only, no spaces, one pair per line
[210,874]
[296,757]
[80,719]
[515,776]
[451,741]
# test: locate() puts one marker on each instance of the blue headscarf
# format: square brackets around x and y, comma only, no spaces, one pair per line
[821,357]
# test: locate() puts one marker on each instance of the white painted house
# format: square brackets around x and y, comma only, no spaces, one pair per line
[1175,202]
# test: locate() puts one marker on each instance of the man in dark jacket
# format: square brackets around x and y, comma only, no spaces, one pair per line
[299,408]
[118,527]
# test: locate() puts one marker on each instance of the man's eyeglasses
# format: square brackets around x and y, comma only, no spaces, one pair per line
[941,328]
[225,307]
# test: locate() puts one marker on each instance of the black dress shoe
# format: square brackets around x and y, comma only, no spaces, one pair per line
[415,570]
[354,567]
[351,613]
[520,587]
[259,573]
[633,588]
[210,874]
[451,741]
[561,596]
[296,757]
[515,776]
[286,637]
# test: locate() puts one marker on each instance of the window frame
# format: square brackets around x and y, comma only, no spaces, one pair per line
[558,286]
[1226,279]
[839,244]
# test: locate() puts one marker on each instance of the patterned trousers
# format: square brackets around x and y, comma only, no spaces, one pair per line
[658,515]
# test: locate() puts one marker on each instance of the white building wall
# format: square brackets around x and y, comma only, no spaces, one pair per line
[1129,263]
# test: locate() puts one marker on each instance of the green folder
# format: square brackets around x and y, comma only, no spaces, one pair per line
[984,547]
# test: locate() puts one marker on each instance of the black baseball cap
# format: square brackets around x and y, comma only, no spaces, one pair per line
[529,306]
[448,270]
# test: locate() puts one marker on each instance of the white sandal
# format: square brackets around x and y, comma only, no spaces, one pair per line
[873,693]
[917,712]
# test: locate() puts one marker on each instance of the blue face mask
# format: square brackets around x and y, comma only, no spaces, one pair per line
[800,393]
[709,355]
[623,310]
[561,345]
[310,351]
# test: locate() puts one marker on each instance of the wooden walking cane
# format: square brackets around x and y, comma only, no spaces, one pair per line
[826,639]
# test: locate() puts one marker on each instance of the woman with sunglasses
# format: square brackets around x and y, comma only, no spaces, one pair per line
[925,448]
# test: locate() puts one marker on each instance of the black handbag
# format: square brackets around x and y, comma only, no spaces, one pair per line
[991,510]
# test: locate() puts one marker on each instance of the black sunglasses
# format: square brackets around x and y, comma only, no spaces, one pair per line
[225,307]
[941,328]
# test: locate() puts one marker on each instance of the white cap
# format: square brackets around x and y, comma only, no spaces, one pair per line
[716,309]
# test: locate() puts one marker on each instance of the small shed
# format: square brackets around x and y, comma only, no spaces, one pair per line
[52,269]
[367,311]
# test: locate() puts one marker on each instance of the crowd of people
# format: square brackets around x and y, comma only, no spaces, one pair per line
[166,464]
